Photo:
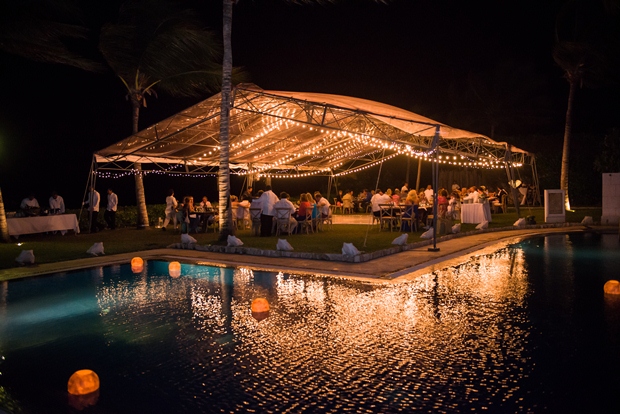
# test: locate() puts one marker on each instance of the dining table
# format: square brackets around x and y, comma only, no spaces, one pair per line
[475,213]
[42,224]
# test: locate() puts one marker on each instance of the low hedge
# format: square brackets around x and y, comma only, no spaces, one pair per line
[126,216]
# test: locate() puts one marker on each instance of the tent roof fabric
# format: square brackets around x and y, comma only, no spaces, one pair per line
[297,133]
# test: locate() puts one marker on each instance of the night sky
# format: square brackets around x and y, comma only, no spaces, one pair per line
[417,55]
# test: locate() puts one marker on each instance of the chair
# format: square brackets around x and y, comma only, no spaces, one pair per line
[307,225]
[347,207]
[328,221]
[283,222]
[336,206]
[242,218]
[255,218]
[504,203]
[387,217]
[411,219]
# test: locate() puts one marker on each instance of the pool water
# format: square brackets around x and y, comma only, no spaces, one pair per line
[526,328]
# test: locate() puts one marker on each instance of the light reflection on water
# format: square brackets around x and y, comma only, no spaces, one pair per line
[467,338]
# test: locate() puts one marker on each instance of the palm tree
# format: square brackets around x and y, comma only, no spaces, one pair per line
[4,228]
[156,47]
[581,50]
[226,227]
[153,46]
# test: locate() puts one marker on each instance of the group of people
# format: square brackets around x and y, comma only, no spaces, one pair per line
[186,214]
[30,205]
[92,201]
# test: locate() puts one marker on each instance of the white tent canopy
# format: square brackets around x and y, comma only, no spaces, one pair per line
[293,134]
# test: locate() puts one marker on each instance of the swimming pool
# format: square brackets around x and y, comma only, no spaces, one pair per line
[523,329]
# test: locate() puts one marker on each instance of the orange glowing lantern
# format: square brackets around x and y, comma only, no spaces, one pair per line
[260,309]
[260,305]
[83,382]
[174,268]
[137,264]
[612,287]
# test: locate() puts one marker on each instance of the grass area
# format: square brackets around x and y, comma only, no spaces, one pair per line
[49,248]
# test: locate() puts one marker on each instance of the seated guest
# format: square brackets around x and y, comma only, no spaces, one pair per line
[339,197]
[411,207]
[304,207]
[284,202]
[396,197]
[322,204]
[205,203]
[347,202]
[366,200]
[57,204]
[377,199]
[234,202]
[30,206]
[454,205]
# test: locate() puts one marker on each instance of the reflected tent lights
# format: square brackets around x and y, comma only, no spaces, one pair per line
[174,269]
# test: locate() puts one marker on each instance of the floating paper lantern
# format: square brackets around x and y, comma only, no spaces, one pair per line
[174,268]
[612,287]
[260,305]
[137,264]
[83,382]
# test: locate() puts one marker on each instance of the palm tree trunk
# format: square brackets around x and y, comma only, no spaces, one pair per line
[226,227]
[142,214]
[4,227]
[568,129]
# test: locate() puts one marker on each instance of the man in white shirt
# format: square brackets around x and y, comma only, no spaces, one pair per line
[405,189]
[93,207]
[57,204]
[472,196]
[322,204]
[377,199]
[171,207]
[30,206]
[428,193]
[267,201]
[110,212]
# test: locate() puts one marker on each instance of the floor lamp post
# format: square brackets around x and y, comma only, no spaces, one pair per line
[435,173]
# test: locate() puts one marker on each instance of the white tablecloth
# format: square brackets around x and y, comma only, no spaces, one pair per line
[475,213]
[41,224]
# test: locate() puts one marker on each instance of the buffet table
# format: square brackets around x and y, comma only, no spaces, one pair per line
[41,224]
[475,213]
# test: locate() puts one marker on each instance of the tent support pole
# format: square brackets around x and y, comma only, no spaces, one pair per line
[435,170]
[417,181]
[90,182]
[510,174]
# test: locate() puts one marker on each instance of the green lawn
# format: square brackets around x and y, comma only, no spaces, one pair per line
[49,248]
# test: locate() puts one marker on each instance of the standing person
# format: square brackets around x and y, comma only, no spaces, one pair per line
[267,201]
[57,204]
[247,195]
[110,212]
[405,189]
[429,193]
[171,213]
[93,207]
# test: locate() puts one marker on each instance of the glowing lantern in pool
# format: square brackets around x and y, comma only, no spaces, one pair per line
[137,264]
[612,287]
[83,382]
[174,268]
[260,309]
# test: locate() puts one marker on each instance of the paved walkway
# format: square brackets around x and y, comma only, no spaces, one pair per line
[400,266]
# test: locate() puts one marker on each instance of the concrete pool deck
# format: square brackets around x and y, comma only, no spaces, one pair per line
[400,266]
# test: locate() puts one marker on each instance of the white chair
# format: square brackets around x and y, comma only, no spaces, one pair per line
[387,217]
[347,207]
[283,222]
[307,225]
[255,218]
[243,218]
[336,206]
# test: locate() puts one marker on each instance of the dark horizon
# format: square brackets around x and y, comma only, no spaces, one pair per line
[419,56]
